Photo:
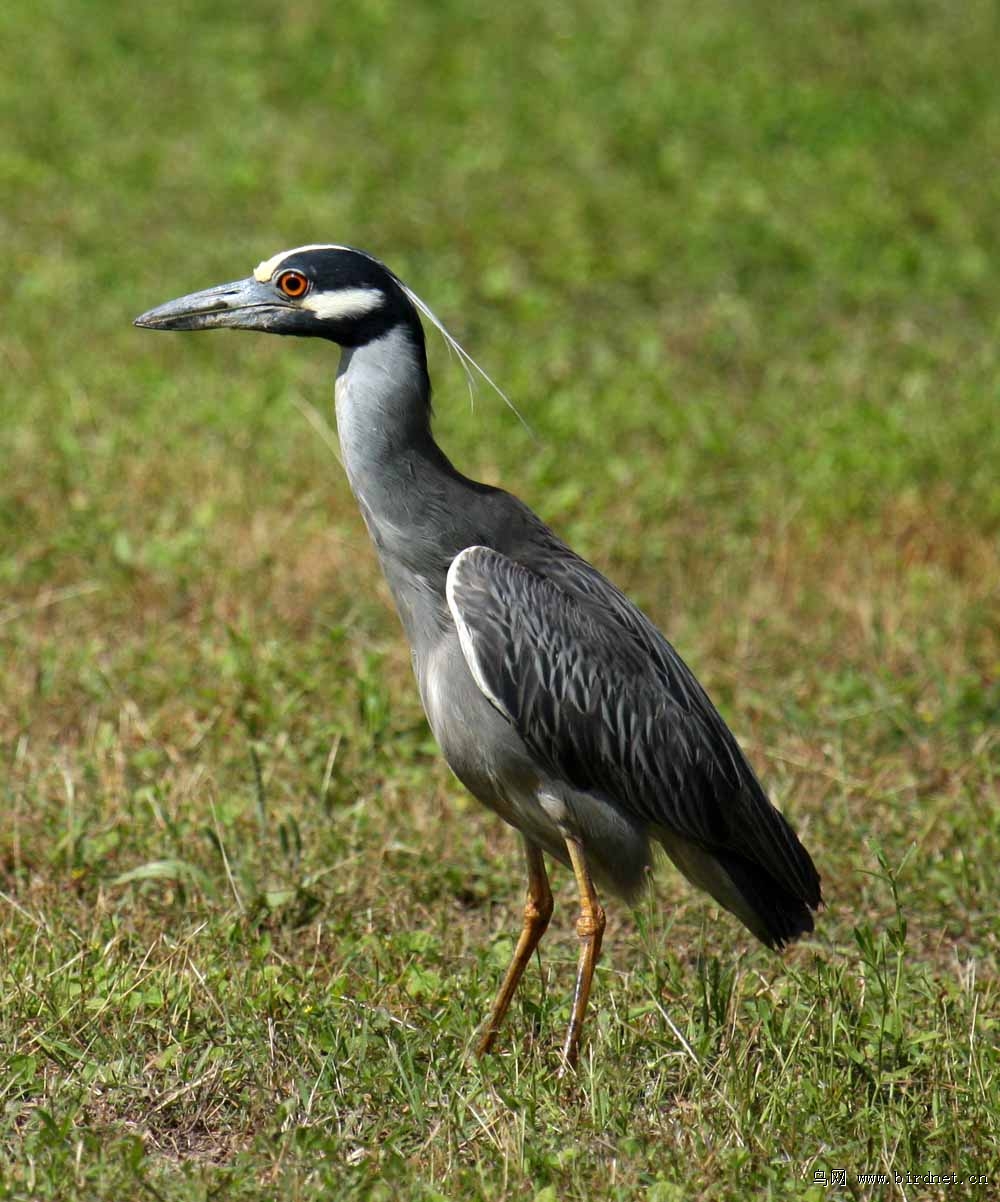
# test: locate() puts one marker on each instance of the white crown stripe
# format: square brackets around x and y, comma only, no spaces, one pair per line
[264,271]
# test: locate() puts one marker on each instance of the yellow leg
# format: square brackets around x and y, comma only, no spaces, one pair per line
[537,912]
[590,930]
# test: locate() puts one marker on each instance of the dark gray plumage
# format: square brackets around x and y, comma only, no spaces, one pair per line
[606,704]
[553,698]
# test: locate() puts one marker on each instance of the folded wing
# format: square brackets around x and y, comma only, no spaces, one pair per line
[607,705]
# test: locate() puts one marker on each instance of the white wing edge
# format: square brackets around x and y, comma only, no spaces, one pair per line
[466,637]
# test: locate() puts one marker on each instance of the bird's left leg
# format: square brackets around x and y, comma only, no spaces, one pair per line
[537,912]
[590,930]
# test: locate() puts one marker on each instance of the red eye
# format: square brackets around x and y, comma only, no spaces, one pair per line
[293,284]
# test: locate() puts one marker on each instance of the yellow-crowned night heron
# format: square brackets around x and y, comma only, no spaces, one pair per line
[555,701]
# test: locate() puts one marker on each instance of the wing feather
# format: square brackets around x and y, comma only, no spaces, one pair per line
[607,705]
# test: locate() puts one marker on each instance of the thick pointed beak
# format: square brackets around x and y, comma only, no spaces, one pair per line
[242,305]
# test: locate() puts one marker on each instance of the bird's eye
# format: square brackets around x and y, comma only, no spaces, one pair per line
[293,284]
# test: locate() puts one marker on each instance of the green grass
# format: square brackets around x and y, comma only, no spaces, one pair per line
[737,264]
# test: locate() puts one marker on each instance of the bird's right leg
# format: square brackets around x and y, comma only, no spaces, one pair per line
[537,912]
[590,932]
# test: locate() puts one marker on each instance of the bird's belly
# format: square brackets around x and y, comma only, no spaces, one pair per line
[482,748]
[489,757]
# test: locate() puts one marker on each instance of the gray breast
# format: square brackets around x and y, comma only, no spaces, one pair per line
[481,746]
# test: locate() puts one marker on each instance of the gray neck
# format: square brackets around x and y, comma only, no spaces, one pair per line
[383,409]
[410,496]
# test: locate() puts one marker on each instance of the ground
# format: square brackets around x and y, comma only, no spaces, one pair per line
[737,267]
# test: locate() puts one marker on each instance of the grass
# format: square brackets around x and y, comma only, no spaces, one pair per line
[737,266]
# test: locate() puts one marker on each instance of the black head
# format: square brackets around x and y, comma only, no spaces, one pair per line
[332,292]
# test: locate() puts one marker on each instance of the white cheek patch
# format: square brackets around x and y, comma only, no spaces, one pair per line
[343,303]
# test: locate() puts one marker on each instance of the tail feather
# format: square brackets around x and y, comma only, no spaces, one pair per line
[782,914]
[775,911]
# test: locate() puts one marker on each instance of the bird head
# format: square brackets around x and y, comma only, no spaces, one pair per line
[332,292]
[320,291]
